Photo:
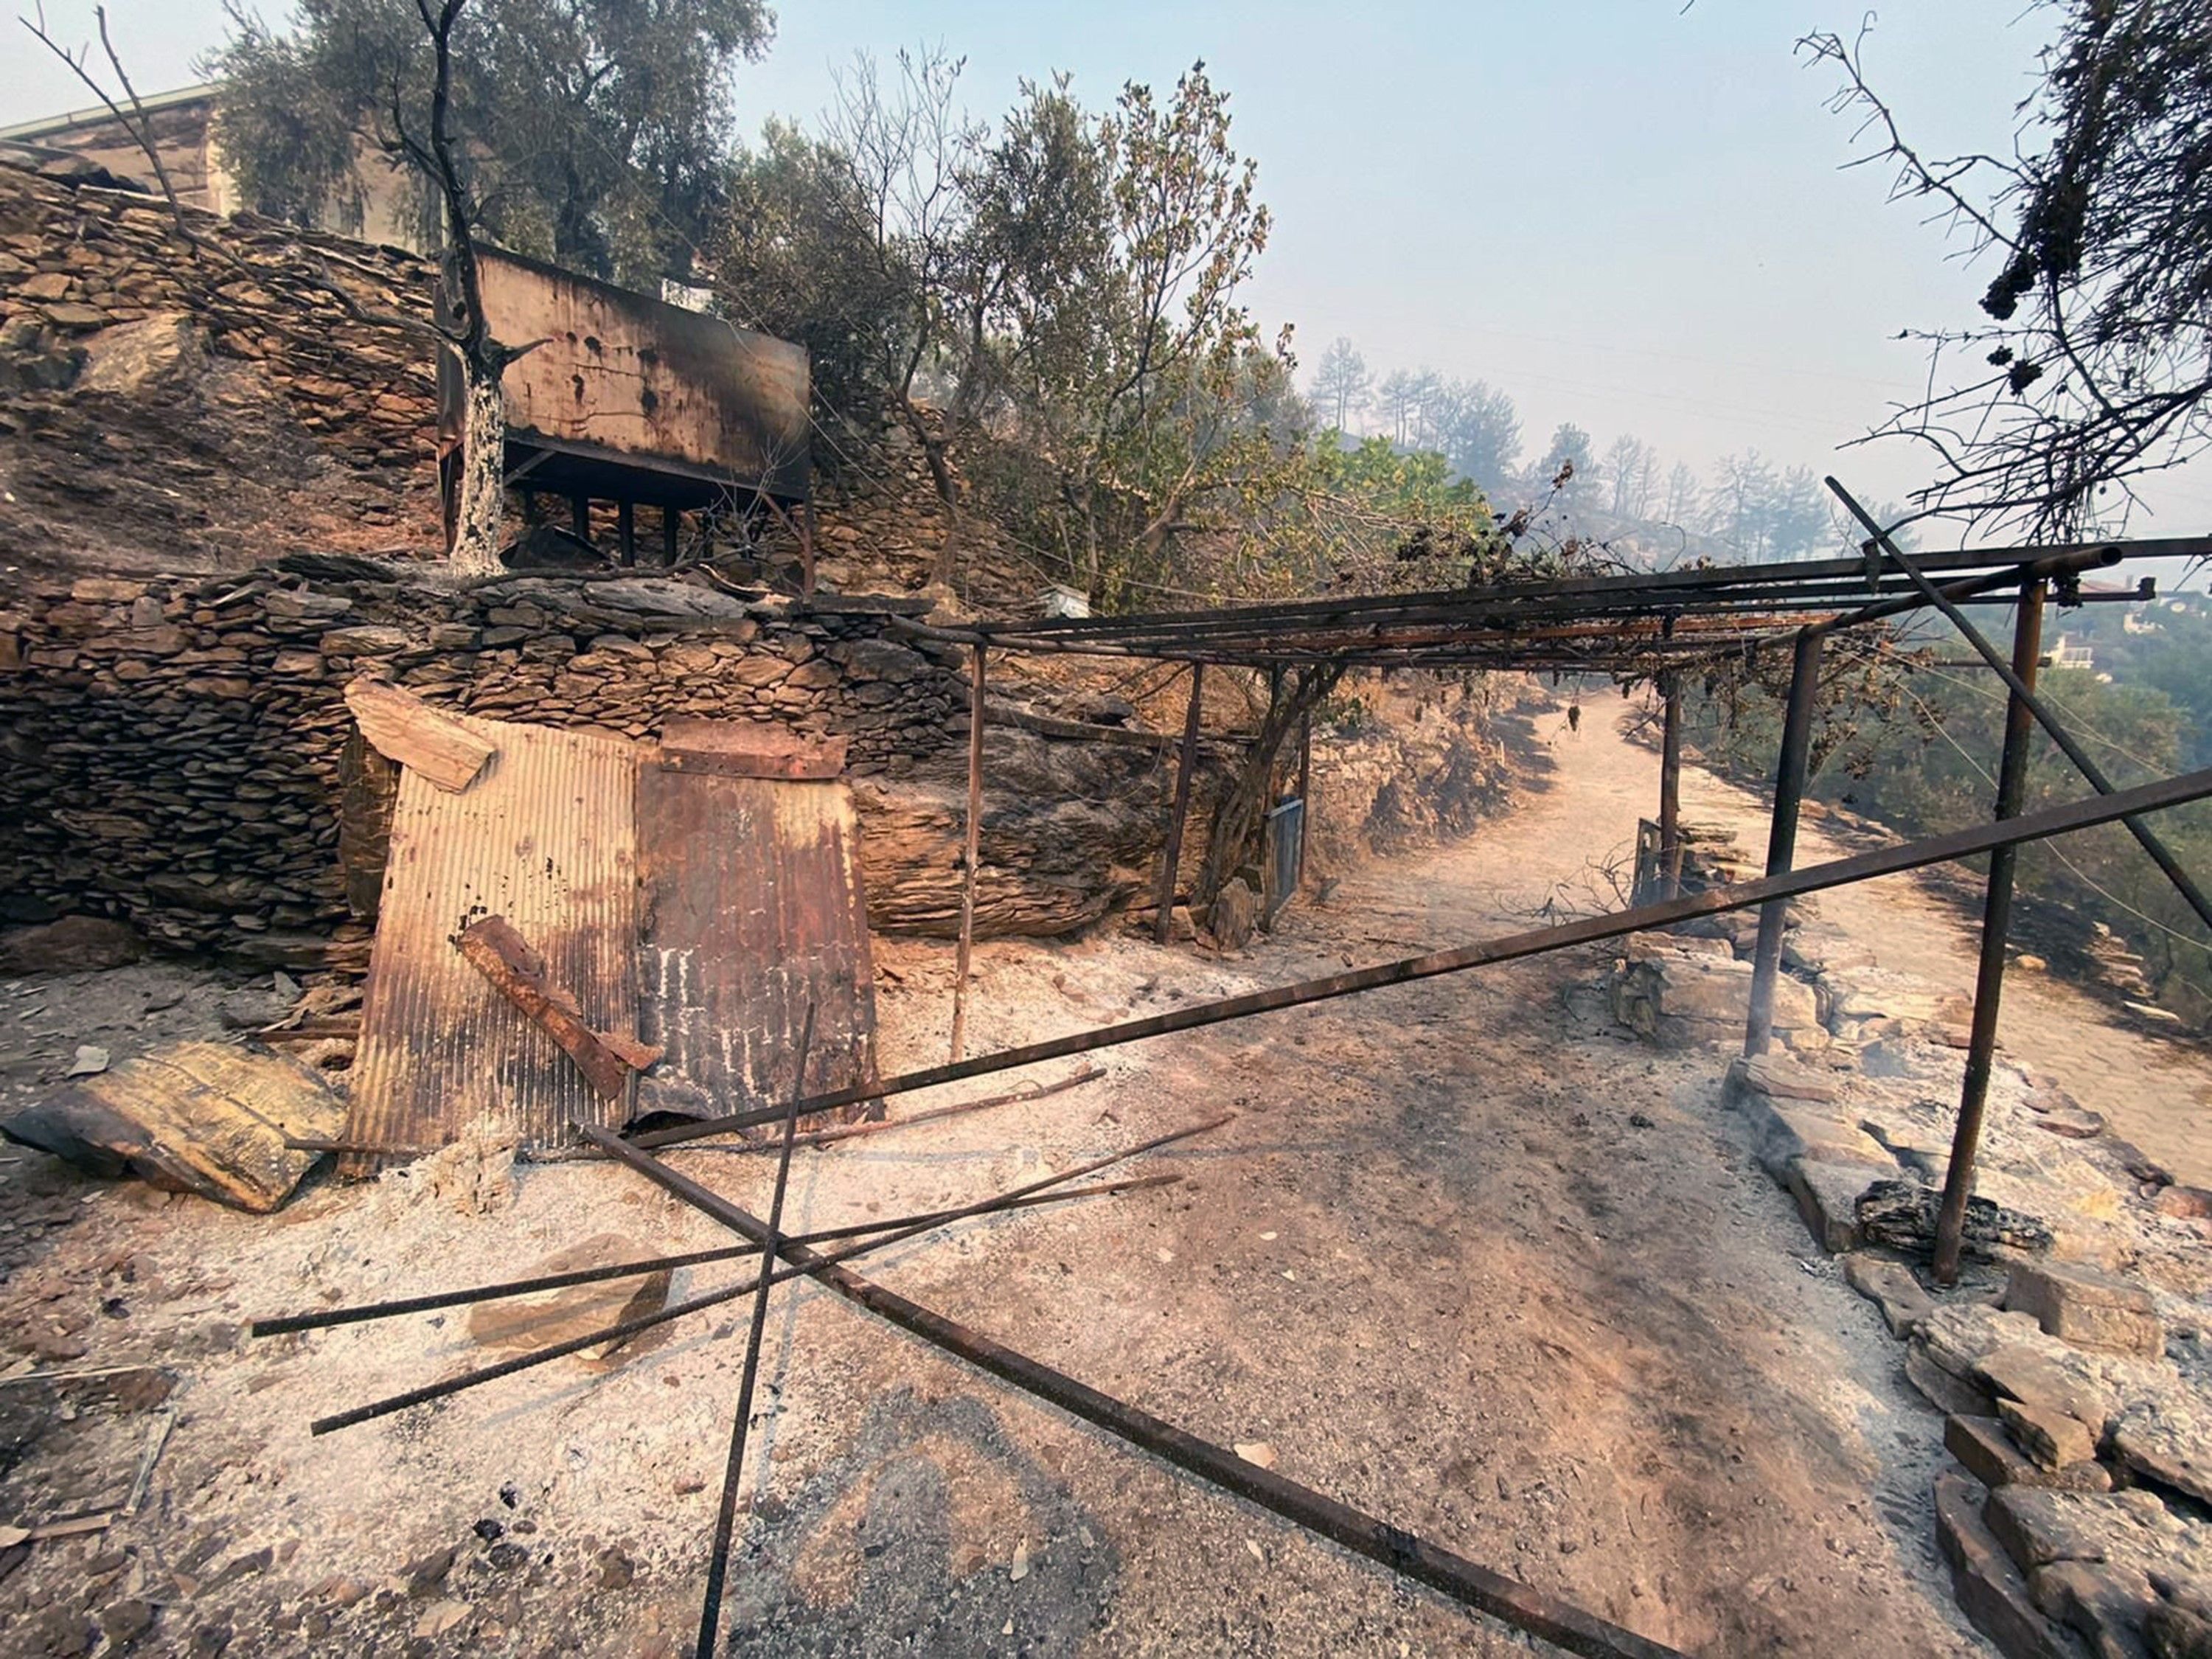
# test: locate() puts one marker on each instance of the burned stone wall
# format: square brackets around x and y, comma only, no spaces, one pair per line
[174,406]
[171,747]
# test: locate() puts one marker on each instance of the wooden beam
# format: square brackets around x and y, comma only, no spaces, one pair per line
[1186,763]
[498,952]
[626,532]
[400,727]
[971,853]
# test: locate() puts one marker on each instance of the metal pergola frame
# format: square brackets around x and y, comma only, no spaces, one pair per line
[1632,627]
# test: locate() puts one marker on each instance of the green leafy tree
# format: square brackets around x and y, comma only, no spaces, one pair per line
[595,130]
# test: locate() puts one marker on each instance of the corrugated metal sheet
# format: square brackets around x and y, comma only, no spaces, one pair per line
[754,909]
[546,837]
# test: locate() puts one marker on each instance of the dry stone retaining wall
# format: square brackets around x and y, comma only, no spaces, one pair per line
[171,748]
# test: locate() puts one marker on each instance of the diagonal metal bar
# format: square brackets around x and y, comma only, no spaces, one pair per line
[2160,855]
[1813,878]
[325,1318]
[630,1327]
[1520,1606]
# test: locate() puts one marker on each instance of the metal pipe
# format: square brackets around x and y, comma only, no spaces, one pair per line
[1186,763]
[1520,1605]
[630,1327]
[1782,835]
[1996,923]
[1305,790]
[1670,786]
[1840,873]
[726,1514]
[325,1318]
[971,851]
[2148,839]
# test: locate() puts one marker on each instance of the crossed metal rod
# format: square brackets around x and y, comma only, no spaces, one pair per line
[627,1329]
[325,1318]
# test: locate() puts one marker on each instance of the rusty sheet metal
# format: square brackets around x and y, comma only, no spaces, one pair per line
[627,378]
[545,836]
[754,909]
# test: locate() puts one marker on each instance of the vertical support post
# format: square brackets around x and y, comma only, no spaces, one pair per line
[1782,835]
[580,517]
[1186,763]
[968,858]
[1670,787]
[806,529]
[626,531]
[672,531]
[1305,790]
[1996,922]
[529,508]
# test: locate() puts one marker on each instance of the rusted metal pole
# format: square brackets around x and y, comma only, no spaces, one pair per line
[1782,835]
[1840,873]
[969,854]
[1996,923]
[1186,763]
[771,1241]
[1511,1602]
[1670,787]
[2160,855]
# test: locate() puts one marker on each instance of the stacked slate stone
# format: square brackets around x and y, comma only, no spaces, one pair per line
[172,748]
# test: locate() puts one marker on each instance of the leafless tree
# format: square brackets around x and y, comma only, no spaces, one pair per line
[2095,365]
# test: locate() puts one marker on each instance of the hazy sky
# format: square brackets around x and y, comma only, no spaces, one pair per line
[1626,214]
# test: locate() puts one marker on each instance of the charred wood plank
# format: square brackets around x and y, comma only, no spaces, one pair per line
[401,726]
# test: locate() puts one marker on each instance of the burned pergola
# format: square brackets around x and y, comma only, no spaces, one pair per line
[1647,627]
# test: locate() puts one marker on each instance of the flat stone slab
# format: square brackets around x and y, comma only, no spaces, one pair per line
[2166,1440]
[1786,1131]
[1827,1198]
[2046,1382]
[2052,1438]
[1781,1078]
[1891,1286]
[1986,1451]
[1990,1589]
[2087,1308]
[2039,1526]
[562,1315]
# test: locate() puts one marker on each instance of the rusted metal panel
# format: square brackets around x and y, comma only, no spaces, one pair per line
[753,910]
[631,399]
[742,750]
[545,836]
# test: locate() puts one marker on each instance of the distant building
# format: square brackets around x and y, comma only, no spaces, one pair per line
[183,126]
[2068,654]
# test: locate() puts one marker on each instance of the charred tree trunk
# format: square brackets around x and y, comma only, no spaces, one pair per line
[1236,826]
[480,492]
